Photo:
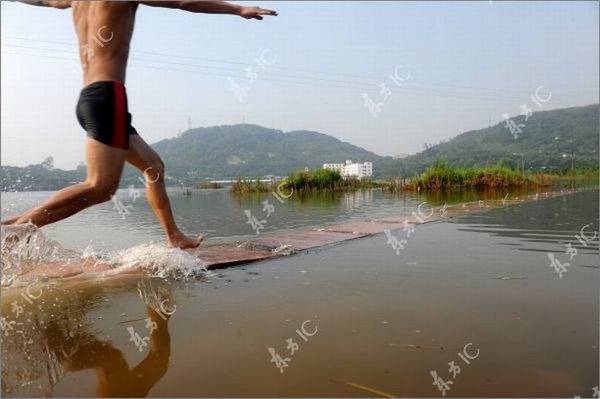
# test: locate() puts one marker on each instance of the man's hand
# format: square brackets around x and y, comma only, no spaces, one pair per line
[255,12]
[211,7]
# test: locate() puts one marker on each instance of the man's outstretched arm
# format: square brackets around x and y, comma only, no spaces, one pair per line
[213,7]
[62,4]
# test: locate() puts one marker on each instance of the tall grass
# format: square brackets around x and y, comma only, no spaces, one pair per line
[248,186]
[324,180]
[441,176]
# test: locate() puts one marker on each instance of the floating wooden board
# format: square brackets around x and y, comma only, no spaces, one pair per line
[365,227]
[224,255]
[303,239]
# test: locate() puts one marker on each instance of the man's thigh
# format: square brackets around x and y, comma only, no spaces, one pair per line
[104,163]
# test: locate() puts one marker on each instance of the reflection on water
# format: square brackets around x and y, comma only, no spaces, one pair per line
[52,334]
[456,196]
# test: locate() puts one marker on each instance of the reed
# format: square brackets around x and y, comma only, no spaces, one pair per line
[250,186]
[325,180]
[441,176]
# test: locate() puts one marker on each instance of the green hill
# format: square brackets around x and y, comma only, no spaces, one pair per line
[545,137]
[223,152]
[251,150]
[38,177]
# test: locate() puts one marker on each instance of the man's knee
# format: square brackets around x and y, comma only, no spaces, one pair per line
[101,191]
[155,172]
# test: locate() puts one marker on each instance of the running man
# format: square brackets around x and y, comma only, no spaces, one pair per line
[104,30]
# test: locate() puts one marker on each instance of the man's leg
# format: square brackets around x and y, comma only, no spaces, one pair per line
[143,157]
[11,220]
[104,166]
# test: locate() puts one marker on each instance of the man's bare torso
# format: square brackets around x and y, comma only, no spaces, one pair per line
[104,30]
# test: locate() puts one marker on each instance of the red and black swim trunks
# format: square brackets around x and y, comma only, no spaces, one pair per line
[102,112]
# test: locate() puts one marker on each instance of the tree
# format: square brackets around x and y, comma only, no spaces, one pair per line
[48,163]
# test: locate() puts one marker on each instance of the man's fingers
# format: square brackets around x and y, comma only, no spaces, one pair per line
[256,12]
[264,11]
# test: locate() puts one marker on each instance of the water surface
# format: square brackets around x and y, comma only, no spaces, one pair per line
[221,215]
[384,321]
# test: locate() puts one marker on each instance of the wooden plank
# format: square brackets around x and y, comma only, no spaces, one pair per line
[304,239]
[223,255]
[61,270]
[365,227]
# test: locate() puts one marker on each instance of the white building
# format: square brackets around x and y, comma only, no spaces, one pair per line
[350,169]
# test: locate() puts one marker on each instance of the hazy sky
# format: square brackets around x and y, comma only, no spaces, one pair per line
[468,62]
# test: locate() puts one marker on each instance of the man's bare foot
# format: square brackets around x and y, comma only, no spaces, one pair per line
[184,242]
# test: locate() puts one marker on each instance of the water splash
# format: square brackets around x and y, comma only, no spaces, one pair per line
[284,249]
[158,261]
[25,248]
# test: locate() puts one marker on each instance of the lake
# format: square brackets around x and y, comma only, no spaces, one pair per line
[471,302]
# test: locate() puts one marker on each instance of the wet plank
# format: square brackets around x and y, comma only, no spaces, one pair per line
[220,256]
[403,219]
[304,239]
[59,269]
[364,227]
[55,270]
